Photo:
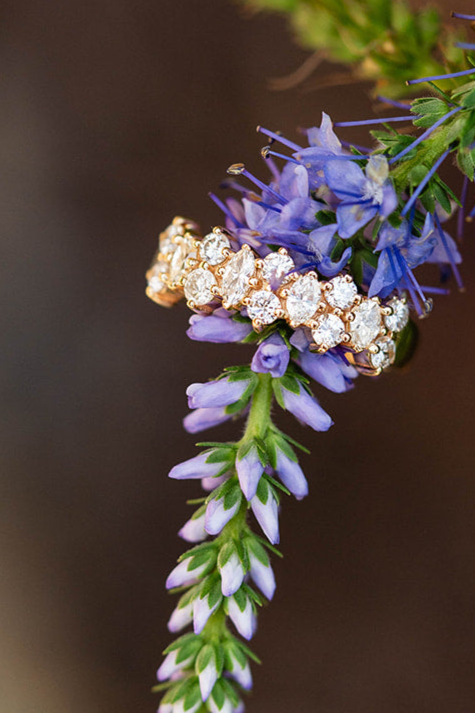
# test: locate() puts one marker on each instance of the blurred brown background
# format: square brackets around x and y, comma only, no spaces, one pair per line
[115,115]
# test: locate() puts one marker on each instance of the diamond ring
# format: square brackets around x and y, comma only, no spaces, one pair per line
[212,269]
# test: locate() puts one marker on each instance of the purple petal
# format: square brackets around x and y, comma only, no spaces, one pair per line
[244,621]
[232,575]
[194,529]
[208,678]
[203,418]
[263,576]
[267,515]
[271,357]
[328,370]
[213,394]
[307,409]
[390,201]
[217,517]
[201,613]
[249,470]
[352,217]
[181,617]
[217,327]
[210,484]
[291,474]
[241,674]
[181,576]
[345,179]
[196,467]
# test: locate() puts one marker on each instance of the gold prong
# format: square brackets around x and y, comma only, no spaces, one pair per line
[346,338]
[358,299]
[387,311]
[259,264]
[246,247]
[350,317]
[285,293]
[215,290]
[283,251]
[348,278]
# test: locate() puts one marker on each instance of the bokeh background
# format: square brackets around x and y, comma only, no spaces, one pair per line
[115,115]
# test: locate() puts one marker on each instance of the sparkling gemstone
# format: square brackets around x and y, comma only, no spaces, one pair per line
[343,292]
[396,321]
[198,286]
[386,355]
[183,249]
[366,325]
[276,267]
[264,306]
[236,276]
[329,332]
[303,298]
[167,245]
[156,276]
[212,247]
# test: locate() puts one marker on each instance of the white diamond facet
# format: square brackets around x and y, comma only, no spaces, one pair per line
[182,250]
[329,332]
[276,267]
[386,355]
[264,306]
[366,325]
[212,247]
[343,292]
[396,321]
[167,244]
[303,298]
[236,276]
[156,276]
[198,286]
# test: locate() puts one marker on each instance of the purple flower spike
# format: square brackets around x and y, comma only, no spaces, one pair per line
[329,370]
[244,621]
[202,612]
[194,529]
[180,618]
[217,327]
[232,575]
[213,394]
[307,409]
[272,357]
[202,418]
[263,576]
[217,517]
[196,467]
[267,515]
[291,474]
[249,470]
[181,576]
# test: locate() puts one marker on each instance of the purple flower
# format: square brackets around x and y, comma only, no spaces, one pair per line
[241,672]
[214,394]
[330,370]
[324,145]
[202,418]
[180,618]
[232,575]
[266,512]
[321,242]
[291,474]
[217,516]
[196,467]
[307,409]
[363,195]
[243,619]
[181,576]
[271,357]
[202,611]
[249,470]
[194,529]
[209,675]
[263,575]
[170,666]
[217,327]
[213,482]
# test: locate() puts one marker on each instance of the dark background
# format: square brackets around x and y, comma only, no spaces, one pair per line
[115,115]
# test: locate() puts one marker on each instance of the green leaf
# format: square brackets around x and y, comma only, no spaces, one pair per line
[221,455]
[181,641]
[254,547]
[290,383]
[225,554]
[204,658]
[406,344]
[277,389]
[233,496]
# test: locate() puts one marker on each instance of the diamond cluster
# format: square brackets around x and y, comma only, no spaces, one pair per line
[208,270]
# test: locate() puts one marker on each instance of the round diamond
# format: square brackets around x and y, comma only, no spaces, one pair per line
[329,332]
[366,325]
[396,321]
[343,292]
[156,276]
[303,298]
[182,250]
[198,286]
[264,306]
[386,355]
[236,276]
[276,267]
[167,244]
[212,247]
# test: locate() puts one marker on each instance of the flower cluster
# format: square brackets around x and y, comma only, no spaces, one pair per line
[375,215]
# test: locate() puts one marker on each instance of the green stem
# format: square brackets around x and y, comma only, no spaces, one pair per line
[259,418]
